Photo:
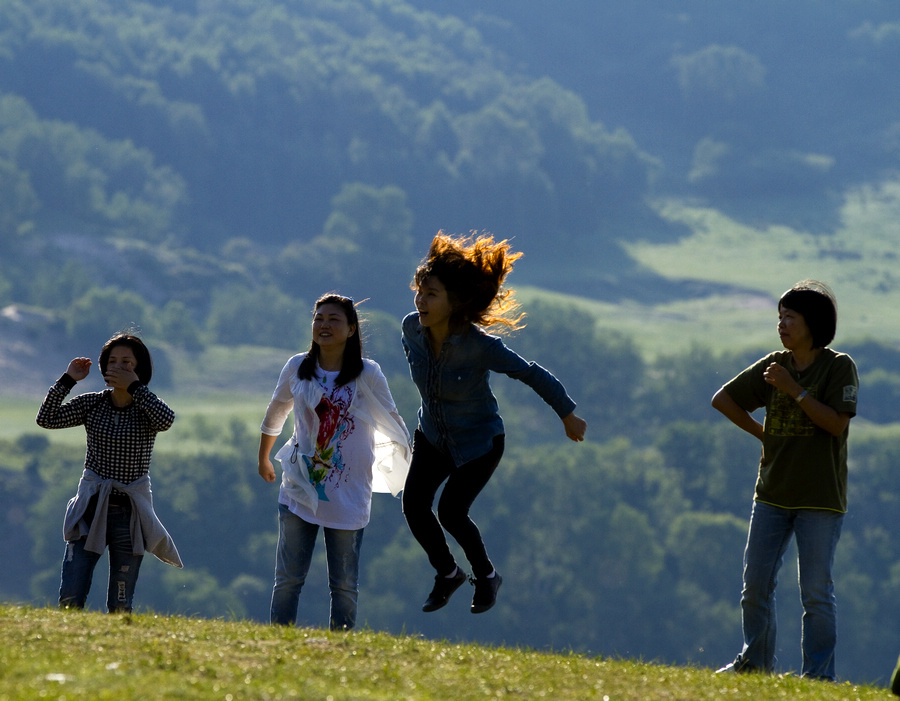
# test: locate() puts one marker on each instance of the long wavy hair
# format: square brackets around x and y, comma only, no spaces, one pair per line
[473,269]
[351,363]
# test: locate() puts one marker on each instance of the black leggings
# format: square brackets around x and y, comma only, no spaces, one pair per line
[427,471]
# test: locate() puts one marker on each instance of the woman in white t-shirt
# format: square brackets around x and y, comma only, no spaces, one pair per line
[348,441]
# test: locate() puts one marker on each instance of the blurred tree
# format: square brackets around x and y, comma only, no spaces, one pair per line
[681,386]
[102,311]
[263,316]
[18,202]
[79,173]
[716,463]
[381,341]
[56,284]
[375,221]
[176,325]
[707,549]
[364,250]
[601,371]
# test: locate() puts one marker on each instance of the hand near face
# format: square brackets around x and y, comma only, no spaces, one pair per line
[79,368]
[121,366]
[119,377]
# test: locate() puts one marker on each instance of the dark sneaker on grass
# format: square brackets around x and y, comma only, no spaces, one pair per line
[443,589]
[736,667]
[486,592]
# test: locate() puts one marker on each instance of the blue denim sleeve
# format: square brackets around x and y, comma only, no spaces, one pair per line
[502,359]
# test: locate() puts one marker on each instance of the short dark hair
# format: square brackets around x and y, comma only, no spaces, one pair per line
[815,301]
[351,363]
[144,369]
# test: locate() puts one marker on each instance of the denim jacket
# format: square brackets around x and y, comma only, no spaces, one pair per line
[459,414]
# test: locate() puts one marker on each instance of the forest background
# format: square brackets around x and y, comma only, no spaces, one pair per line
[205,169]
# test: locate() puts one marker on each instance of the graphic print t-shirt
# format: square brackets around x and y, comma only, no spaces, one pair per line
[340,468]
[802,466]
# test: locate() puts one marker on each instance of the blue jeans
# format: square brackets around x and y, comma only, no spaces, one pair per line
[816,532]
[296,541]
[124,566]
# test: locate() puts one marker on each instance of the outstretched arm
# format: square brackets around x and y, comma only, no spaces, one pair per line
[739,416]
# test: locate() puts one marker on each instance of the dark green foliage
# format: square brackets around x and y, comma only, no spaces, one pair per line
[178,326]
[102,312]
[601,370]
[260,316]
[324,131]
[879,380]
[103,184]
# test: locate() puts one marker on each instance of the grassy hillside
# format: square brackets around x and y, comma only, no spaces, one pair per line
[749,267]
[77,655]
[858,260]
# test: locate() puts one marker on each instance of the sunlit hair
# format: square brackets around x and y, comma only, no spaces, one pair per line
[351,364]
[144,369]
[816,303]
[473,269]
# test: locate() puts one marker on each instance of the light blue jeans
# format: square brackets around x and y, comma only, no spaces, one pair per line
[817,532]
[296,542]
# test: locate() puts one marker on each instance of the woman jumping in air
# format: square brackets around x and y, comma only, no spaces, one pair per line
[460,435]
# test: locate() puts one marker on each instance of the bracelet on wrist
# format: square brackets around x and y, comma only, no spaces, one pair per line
[800,397]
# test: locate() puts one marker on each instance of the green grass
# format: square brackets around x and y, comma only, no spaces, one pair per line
[201,419]
[48,653]
[17,417]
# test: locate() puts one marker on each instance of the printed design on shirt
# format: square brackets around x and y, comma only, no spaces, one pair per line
[849,394]
[785,417]
[335,424]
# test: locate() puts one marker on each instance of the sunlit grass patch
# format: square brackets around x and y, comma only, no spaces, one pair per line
[83,655]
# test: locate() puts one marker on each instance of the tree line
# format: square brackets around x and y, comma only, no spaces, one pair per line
[262,124]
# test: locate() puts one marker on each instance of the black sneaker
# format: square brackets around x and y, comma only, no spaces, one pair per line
[443,589]
[739,666]
[486,592]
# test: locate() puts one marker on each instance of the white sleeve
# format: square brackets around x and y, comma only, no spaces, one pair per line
[282,400]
